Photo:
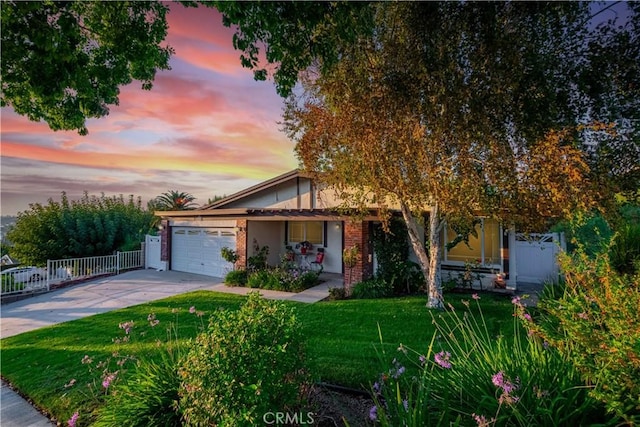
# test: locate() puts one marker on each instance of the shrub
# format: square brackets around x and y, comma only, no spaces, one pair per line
[372,288]
[465,376]
[247,363]
[229,255]
[624,252]
[279,279]
[392,249]
[595,323]
[263,279]
[337,294]
[259,260]
[236,278]
[146,396]
[306,280]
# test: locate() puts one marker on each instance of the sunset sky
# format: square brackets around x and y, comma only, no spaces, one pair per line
[206,128]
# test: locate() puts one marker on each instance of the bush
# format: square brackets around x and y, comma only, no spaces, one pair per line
[146,396]
[595,323]
[337,294]
[465,376]
[392,249]
[279,279]
[372,288]
[236,278]
[247,363]
[624,252]
[263,279]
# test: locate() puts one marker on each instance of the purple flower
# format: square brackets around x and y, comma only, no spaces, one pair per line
[373,413]
[527,317]
[422,359]
[475,296]
[71,422]
[515,300]
[192,309]
[376,387]
[399,372]
[405,403]
[442,359]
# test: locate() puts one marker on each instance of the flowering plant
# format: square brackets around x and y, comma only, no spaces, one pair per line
[306,245]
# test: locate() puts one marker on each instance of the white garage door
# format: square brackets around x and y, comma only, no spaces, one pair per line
[536,257]
[197,250]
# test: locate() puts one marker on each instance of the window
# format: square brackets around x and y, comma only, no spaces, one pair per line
[312,231]
[485,247]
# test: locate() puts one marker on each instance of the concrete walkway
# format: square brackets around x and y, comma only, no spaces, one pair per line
[106,294]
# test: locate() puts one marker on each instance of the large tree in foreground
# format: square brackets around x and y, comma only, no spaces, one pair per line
[458,108]
[63,62]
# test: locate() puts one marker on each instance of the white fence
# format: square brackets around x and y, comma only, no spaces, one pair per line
[29,279]
[536,257]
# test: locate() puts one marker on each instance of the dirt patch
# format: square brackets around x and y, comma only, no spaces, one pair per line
[333,407]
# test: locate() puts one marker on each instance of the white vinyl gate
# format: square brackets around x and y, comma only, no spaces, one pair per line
[153,248]
[536,257]
[197,250]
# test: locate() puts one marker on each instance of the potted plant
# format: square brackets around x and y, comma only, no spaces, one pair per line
[304,247]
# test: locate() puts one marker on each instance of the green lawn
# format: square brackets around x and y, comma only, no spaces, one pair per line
[342,341]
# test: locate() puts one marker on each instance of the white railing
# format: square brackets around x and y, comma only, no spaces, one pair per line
[24,279]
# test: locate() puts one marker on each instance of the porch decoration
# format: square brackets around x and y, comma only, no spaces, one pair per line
[304,246]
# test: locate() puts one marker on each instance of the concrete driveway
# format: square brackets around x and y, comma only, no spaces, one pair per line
[98,296]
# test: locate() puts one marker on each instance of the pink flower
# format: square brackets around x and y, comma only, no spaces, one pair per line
[475,297]
[109,379]
[127,326]
[192,309]
[442,359]
[527,317]
[515,300]
[482,421]
[71,422]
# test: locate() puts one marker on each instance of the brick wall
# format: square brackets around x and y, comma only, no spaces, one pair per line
[356,233]
[165,241]
[241,243]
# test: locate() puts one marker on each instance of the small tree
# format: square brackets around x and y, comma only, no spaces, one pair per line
[230,255]
[350,259]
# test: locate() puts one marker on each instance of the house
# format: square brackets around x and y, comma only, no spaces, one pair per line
[291,208]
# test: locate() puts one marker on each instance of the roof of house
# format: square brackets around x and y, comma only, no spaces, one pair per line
[296,173]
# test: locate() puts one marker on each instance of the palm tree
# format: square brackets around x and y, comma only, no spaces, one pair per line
[174,201]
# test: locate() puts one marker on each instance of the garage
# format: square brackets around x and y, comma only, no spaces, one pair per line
[197,250]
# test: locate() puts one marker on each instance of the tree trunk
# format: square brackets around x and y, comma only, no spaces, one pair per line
[430,264]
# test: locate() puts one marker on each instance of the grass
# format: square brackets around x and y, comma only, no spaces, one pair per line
[343,341]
